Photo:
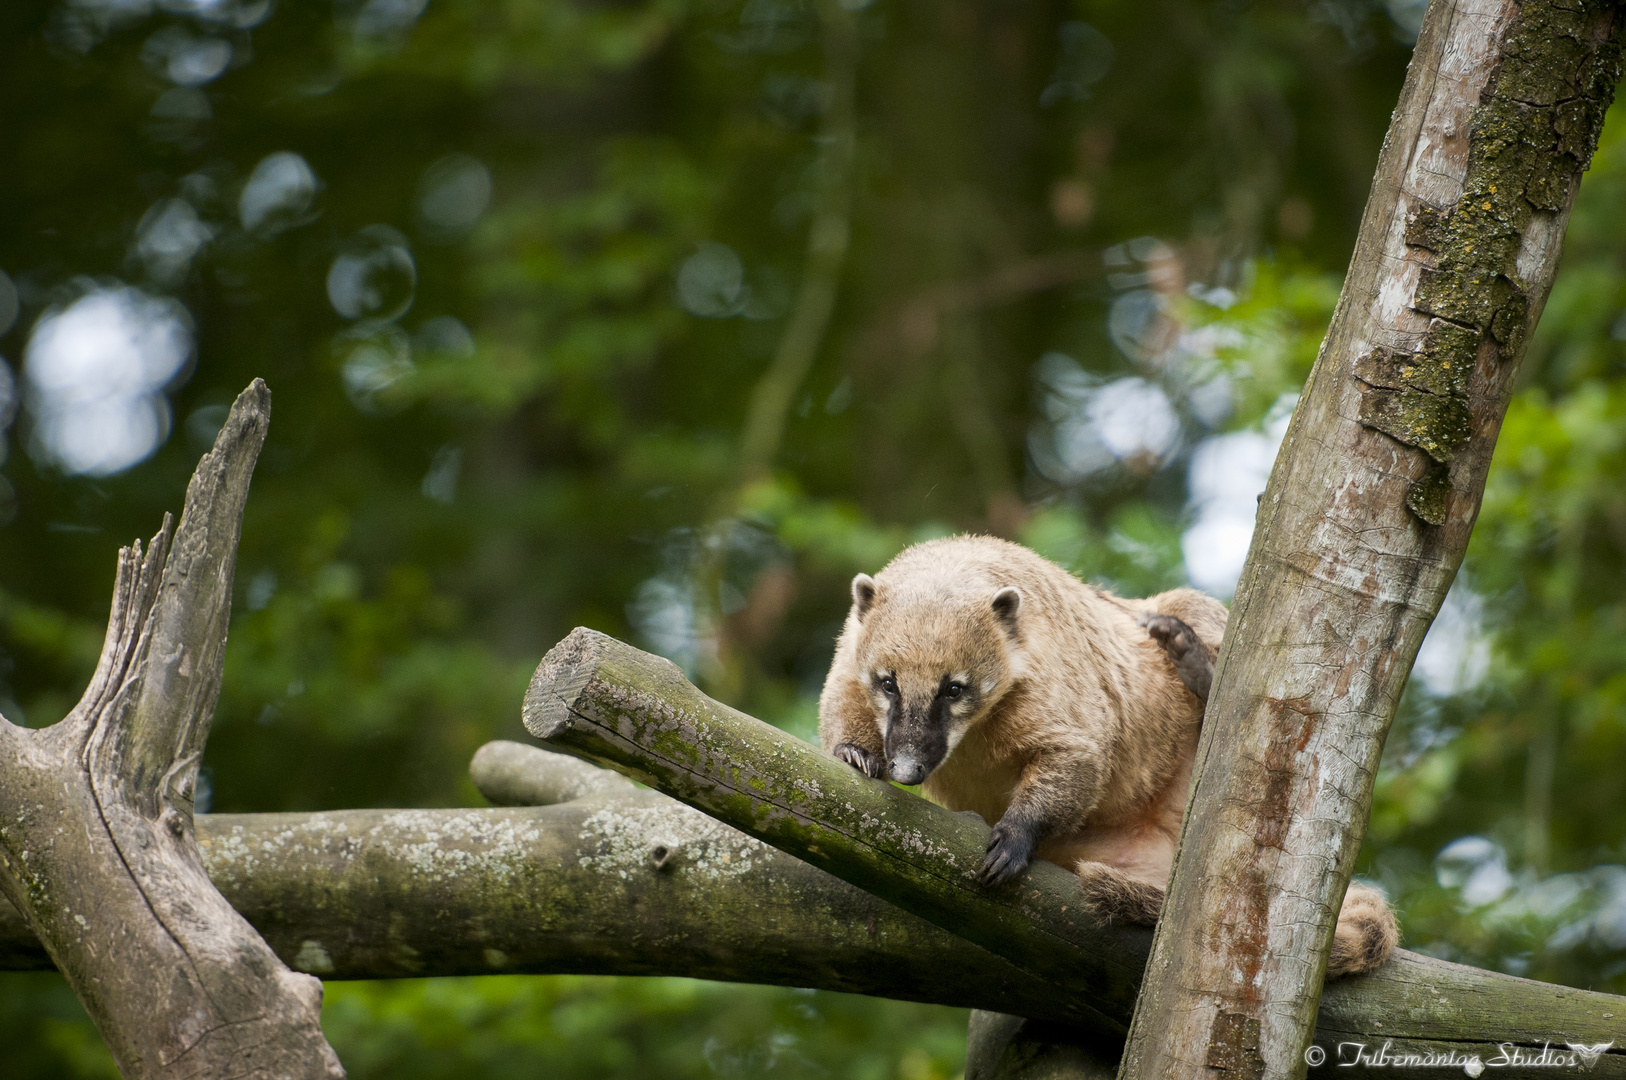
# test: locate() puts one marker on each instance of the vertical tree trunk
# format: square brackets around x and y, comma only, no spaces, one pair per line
[96,833]
[1365,521]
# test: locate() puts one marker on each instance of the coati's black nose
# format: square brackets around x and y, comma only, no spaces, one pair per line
[906,770]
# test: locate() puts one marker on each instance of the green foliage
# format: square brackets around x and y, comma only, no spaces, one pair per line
[569,1027]
[47,1032]
[1057,205]
[594,1027]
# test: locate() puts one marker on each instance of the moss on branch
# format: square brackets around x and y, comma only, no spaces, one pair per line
[1531,136]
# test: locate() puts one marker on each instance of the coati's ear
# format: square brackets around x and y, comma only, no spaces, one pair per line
[863,594]
[1007,602]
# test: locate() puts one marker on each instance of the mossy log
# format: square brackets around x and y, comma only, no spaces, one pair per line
[613,880]
[609,703]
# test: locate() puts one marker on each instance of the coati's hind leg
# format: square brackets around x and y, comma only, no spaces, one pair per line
[1366,935]
[1188,655]
[1116,897]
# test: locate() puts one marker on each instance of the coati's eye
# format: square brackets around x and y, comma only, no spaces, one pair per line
[953,691]
[889,685]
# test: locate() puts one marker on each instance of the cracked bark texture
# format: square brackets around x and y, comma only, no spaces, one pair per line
[97,844]
[1365,521]
[610,703]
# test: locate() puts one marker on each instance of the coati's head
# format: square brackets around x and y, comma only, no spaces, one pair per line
[933,662]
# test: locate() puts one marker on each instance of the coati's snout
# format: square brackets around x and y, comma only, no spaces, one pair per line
[916,735]
[933,669]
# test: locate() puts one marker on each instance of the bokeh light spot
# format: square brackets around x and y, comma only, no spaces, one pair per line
[8,400]
[184,58]
[446,336]
[169,236]
[375,277]
[388,18]
[1086,56]
[376,364]
[452,195]
[9,302]
[711,282]
[95,373]
[278,193]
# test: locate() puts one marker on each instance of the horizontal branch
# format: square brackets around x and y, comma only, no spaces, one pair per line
[600,699]
[631,884]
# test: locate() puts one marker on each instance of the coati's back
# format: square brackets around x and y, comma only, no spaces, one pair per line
[1085,675]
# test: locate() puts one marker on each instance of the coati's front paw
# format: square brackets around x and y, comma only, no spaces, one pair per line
[1186,652]
[1009,850]
[865,762]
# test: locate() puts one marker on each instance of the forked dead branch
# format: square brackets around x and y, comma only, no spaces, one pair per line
[97,845]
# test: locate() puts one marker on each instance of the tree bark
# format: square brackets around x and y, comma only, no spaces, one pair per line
[1003,1047]
[1366,519]
[607,702]
[611,880]
[97,848]
[619,881]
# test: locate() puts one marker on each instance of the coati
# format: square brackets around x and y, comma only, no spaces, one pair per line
[1065,716]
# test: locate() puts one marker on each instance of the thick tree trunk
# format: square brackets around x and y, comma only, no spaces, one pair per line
[96,831]
[1366,519]
[607,702]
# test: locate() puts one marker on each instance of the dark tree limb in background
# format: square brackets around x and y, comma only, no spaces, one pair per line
[999,1046]
[96,829]
[610,703]
[828,238]
[1366,519]
[913,326]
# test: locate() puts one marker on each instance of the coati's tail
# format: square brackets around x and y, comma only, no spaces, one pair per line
[1366,935]
[1114,896]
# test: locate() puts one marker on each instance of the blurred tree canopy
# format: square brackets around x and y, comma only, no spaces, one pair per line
[535,283]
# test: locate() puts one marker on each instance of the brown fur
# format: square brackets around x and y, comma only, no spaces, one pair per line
[1076,729]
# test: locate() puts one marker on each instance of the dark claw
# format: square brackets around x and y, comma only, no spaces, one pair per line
[869,764]
[1008,853]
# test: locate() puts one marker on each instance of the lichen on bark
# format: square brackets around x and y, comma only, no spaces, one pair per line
[1531,135]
